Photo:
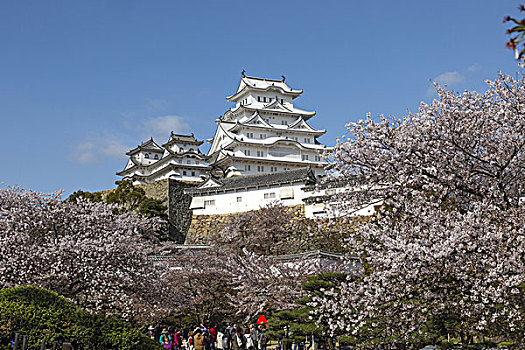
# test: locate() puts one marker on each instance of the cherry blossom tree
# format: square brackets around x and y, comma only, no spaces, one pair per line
[445,253]
[517,35]
[242,273]
[82,250]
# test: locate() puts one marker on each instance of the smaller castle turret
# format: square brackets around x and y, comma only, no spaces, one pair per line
[179,158]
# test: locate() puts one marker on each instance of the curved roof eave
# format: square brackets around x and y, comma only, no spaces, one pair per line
[297,143]
[293,93]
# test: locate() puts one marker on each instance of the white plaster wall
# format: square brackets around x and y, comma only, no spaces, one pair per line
[252,199]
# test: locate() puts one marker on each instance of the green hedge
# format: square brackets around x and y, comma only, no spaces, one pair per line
[40,313]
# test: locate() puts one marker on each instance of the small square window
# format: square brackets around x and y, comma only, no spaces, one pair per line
[239,199]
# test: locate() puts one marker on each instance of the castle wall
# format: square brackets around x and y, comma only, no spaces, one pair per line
[202,226]
[171,193]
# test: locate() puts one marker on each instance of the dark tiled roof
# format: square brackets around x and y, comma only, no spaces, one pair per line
[176,138]
[298,175]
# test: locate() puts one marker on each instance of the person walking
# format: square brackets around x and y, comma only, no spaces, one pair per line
[177,339]
[263,340]
[219,339]
[226,340]
[238,341]
[198,340]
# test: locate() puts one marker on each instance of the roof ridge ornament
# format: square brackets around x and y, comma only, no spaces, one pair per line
[284,78]
[242,73]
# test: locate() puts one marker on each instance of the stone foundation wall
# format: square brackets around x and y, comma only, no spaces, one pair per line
[171,193]
[328,235]
[179,212]
[157,190]
[203,225]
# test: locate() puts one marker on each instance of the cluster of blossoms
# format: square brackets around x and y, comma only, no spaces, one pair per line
[81,250]
[446,249]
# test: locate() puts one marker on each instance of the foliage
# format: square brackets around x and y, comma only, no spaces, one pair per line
[39,313]
[297,320]
[81,250]
[446,248]
[152,208]
[90,196]
[126,198]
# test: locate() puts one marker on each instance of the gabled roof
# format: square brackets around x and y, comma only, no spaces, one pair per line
[277,106]
[221,132]
[301,124]
[181,138]
[304,175]
[149,145]
[255,119]
[263,84]
[211,182]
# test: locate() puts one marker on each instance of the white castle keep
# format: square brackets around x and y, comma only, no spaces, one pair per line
[263,133]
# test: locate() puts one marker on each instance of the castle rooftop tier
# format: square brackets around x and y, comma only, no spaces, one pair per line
[265,132]
[179,158]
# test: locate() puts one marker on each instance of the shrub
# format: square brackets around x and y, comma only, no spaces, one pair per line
[40,313]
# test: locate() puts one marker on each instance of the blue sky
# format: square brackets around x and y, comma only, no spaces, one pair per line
[81,82]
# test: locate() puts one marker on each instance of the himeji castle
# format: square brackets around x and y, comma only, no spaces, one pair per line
[179,158]
[265,132]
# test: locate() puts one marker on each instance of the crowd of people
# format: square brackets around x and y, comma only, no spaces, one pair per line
[231,337]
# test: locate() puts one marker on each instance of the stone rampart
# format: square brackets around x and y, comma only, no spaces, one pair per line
[171,193]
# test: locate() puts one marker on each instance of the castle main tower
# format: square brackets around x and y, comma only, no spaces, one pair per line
[265,132]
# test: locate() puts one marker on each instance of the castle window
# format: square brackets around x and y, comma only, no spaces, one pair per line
[258,98]
[269,195]
[156,156]
[305,156]
[188,162]
[260,168]
[191,149]
[247,152]
[239,199]
[260,153]
[192,173]
[146,155]
[282,101]
[262,136]
[273,169]
[209,203]
[247,167]
[181,149]
[284,122]
[307,140]
[317,158]
[250,135]
[184,172]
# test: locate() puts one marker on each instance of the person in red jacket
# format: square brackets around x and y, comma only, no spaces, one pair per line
[213,333]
